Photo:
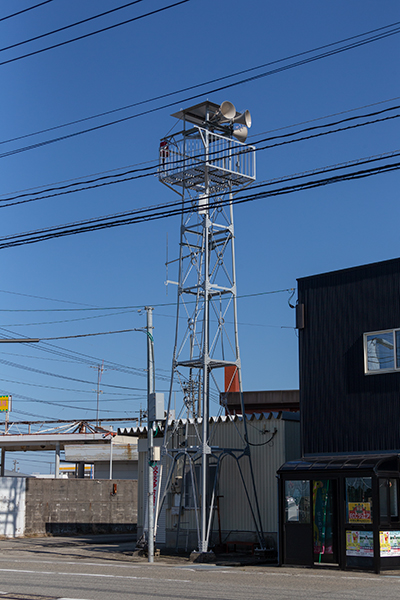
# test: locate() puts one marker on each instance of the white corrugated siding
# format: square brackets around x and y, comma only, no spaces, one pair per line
[266,458]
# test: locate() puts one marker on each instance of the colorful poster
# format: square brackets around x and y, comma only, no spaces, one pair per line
[389,543]
[359,512]
[4,403]
[359,543]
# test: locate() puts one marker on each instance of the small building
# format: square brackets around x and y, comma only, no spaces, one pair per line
[339,503]
[273,437]
[260,401]
[118,460]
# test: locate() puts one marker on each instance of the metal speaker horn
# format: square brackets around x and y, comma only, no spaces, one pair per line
[226,112]
[240,133]
[244,118]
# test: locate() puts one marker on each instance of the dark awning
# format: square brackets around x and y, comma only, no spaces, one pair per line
[367,462]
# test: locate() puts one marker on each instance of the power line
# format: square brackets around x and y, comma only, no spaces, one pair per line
[40,189]
[342,112]
[173,209]
[86,35]
[147,213]
[333,52]
[20,12]
[151,171]
[132,308]
[65,27]
[85,358]
[196,86]
[41,372]
[50,403]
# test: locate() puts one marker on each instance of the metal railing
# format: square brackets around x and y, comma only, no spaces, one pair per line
[183,161]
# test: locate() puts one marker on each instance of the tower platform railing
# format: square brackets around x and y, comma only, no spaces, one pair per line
[184,159]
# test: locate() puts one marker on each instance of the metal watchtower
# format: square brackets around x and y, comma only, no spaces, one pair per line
[206,164]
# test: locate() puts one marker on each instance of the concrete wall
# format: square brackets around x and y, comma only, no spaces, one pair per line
[12,506]
[68,506]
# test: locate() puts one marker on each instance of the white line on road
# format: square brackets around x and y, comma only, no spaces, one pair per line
[94,575]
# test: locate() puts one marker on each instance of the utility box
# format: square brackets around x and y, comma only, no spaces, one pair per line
[156,407]
[155,453]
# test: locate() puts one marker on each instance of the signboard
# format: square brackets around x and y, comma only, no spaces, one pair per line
[5,403]
[389,543]
[359,543]
[359,512]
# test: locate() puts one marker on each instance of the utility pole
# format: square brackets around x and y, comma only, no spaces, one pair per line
[150,390]
[100,369]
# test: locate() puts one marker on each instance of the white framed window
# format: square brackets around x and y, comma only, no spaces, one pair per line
[382,351]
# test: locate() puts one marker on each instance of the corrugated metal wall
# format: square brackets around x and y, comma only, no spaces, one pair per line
[342,409]
[267,456]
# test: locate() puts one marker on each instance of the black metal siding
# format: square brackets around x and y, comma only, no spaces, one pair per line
[342,409]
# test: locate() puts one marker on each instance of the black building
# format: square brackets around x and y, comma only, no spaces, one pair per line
[340,501]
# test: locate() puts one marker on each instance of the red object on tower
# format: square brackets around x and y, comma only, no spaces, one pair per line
[231,379]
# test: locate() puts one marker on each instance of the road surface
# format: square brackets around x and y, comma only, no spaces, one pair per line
[40,572]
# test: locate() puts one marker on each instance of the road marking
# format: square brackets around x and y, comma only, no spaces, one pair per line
[69,562]
[26,571]
[95,575]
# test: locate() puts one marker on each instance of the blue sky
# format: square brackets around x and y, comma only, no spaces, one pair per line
[278,239]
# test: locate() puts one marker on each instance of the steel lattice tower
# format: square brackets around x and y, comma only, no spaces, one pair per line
[206,163]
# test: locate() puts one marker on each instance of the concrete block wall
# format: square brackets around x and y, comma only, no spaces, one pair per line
[83,506]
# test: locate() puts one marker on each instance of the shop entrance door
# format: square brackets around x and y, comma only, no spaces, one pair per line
[324,519]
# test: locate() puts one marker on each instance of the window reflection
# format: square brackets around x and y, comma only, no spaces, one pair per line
[388,499]
[297,501]
[359,499]
[380,351]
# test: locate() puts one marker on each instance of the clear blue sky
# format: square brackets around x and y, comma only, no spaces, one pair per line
[278,239]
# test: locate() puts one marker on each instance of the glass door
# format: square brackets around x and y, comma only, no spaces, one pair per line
[324,521]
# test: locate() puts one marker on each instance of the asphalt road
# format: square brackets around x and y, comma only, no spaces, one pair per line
[47,570]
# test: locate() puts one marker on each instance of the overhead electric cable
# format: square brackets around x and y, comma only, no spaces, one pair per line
[220,88]
[20,12]
[40,372]
[196,86]
[8,202]
[114,172]
[76,319]
[175,209]
[151,171]
[65,27]
[132,308]
[86,35]
[49,402]
[342,112]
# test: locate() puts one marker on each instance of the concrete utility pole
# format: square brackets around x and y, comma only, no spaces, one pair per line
[150,390]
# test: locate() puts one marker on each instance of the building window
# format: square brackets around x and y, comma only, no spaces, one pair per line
[388,500]
[297,501]
[358,500]
[382,351]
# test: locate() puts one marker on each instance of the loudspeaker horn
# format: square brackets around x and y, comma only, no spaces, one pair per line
[226,112]
[240,133]
[244,118]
